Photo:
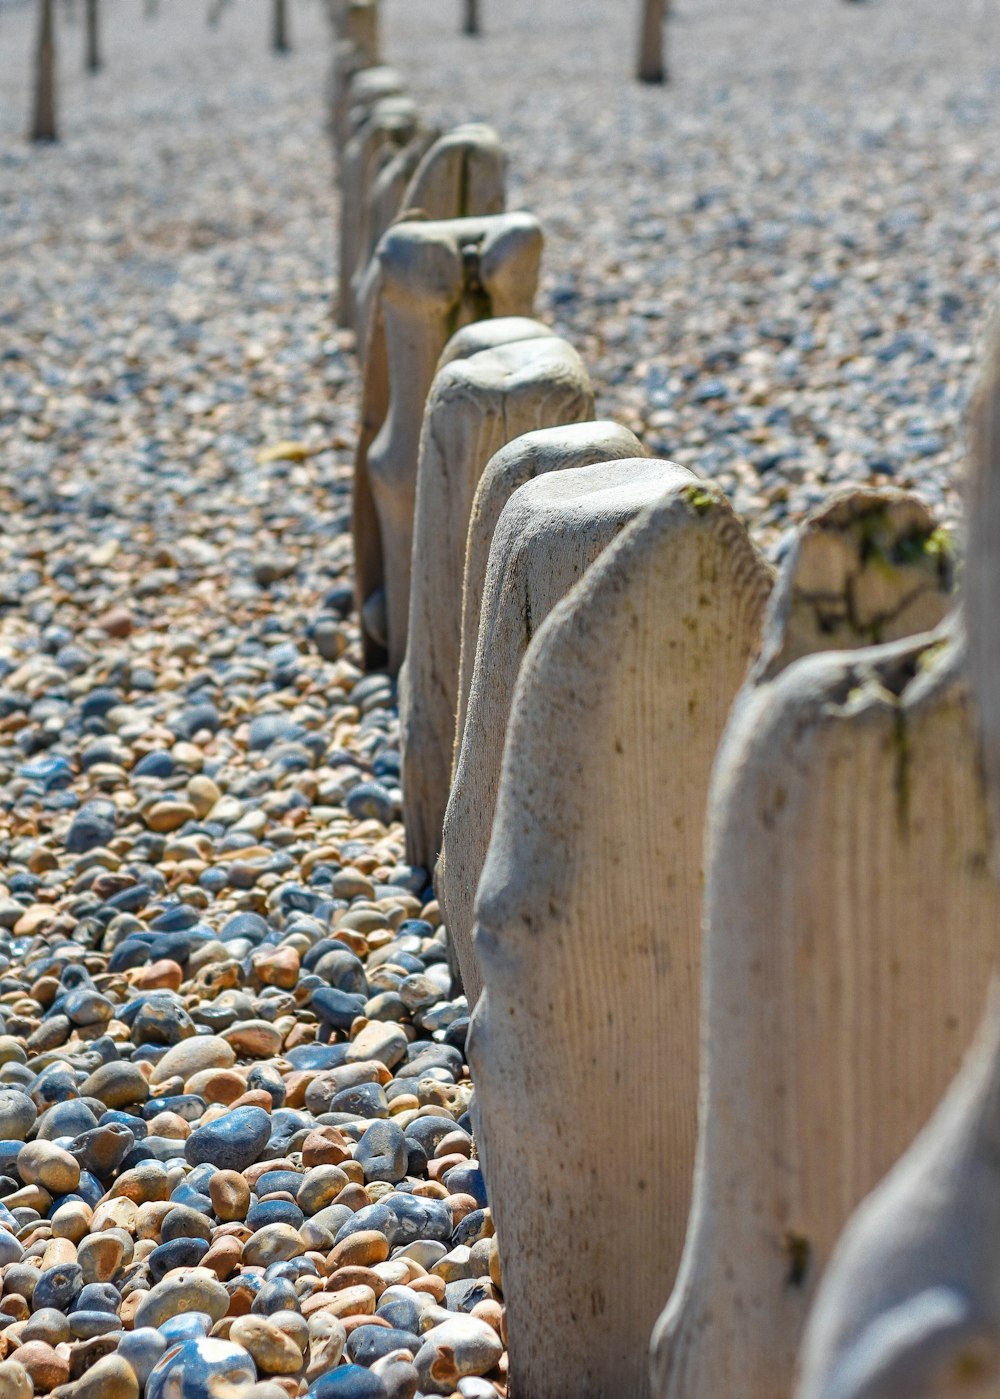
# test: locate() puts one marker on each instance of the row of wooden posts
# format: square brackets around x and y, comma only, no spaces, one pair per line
[713,847]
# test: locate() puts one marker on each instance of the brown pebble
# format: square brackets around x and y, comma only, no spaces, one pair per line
[45,1366]
[366,1247]
[223,1258]
[325,1146]
[353,1276]
[162,974]
[230,1195]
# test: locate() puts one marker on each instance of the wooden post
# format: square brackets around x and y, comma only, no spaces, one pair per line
[850,927]
[93,38]
[470,19]
[475,406]
[459,175]
[426,289]
[652,65]
[279,31]
[584,1042]
[43,122]
[538,521]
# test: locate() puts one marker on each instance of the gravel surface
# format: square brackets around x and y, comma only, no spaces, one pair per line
[776,269]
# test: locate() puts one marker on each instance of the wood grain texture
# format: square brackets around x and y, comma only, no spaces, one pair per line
[549,533]
[434,277]
[909,1307]
[850,924]
[584,1040]
[475,405]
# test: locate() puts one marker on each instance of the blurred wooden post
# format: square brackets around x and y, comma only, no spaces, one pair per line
[93,38]
[470,23]
[652,67]
[43,124]
[279,40]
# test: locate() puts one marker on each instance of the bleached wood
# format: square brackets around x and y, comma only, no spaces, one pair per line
[850,925]
[475,405]
[909,1307]
[357,87]
[982,574]
[584,1040]
[527,544]
[434,277]
[459,175]
[390,125]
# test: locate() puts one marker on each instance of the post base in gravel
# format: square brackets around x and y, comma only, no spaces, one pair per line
[434,277]
[909,1304]
[551,530]
[584,1043]
[850,929]
[462,174]
[475,405]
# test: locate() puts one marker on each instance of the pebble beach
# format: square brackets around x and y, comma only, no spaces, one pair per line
[235,1141]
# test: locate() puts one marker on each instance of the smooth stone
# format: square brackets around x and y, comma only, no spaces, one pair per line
[233,1142]
[46,1164]
[273,1351]
[111,1377]
[204,1368]
[275,1243]
[142,1349]
[378,1040]
[117,1085]
[366,1344]
[17,1114]
[348,1382]
[230,1196]
[191,1056]
[15,1382]
[382,1152]
[455,1348]
[177,1295]
[187,1326]
[84,1325]
[58,1287]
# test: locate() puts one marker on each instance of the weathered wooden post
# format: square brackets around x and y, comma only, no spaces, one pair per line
[652,66]
[909,1303]
[280,42]
[356,49]
[540,543]
[470,18]
[588,936]
[93,62]
[43,120]
[459,175]
[476,404]
[850,925]
[434,277]
[389,125]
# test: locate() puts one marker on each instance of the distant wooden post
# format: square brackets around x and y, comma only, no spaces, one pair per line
[93,38]
[470,22]
[43,124]
[652,66]
[279,32]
